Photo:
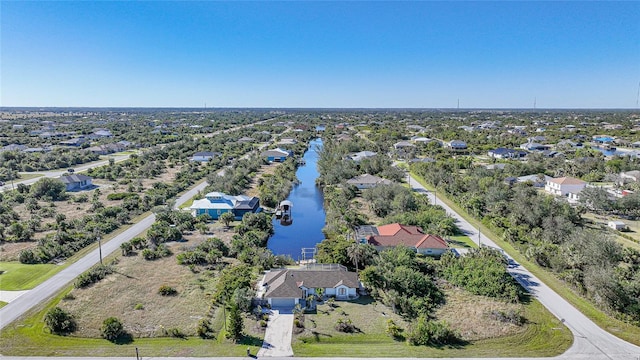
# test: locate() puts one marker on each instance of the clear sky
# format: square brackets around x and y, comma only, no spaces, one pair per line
[320,54]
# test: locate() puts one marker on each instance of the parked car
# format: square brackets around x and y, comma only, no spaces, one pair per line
[71,170]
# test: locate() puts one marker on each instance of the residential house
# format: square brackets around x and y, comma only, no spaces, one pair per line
[246,139]
[564,186]
[630,176]
[359,156]
[503,153]
[216,203]
[403,145]
[277,155]
[413,237]
[204,156]
[102,133]
[367,181]
[14,147]
[287,141]
[533,146]
[617,225]
[456,145]
[284,288]
[499,166]
[539,180]
[74,142]
[75,182]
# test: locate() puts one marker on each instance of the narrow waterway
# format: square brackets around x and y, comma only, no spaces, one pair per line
[307,212]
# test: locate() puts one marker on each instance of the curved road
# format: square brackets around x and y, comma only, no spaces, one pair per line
[590,341]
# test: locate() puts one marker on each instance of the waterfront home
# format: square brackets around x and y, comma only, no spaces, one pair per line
[359,156]
[277,155]
[392,235]
[216,203]
[284,288]
[367,181]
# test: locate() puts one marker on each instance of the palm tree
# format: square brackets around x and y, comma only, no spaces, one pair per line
[356,252]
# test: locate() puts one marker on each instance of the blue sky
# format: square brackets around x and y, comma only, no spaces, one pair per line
[320,54]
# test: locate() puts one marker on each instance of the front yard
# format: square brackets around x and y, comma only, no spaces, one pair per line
[542,335]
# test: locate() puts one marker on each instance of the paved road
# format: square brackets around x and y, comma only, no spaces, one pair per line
[590,341]
[49,288]
[277,337]
[57,173]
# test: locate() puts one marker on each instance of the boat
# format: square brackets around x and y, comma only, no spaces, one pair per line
[285,212]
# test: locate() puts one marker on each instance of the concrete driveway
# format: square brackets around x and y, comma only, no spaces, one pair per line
[277,337]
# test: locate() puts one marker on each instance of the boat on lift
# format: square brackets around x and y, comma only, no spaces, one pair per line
[285,212]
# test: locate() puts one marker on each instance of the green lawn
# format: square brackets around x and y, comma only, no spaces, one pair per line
[26,176]
[17,276]
[2,303]
[545,336]
[461,241]
[616,327]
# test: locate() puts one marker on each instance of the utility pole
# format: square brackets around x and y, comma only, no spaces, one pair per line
[99,246]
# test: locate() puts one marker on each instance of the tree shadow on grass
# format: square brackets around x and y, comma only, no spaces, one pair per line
[123,339]
[250,340]
[363,300]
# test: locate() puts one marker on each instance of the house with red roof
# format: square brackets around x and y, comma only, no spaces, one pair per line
[392,235]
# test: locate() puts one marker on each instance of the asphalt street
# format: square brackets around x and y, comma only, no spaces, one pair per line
[590,341]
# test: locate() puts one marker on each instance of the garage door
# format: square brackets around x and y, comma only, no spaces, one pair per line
[284,303]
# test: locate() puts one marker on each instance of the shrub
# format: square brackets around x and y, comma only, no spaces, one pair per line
[345,326]
[427,332]
[59,321]
[93,275]
[393,330]
[120,196]
[510,316]
[166,290]
[177,333]
[112,329]
[138,306]
[263,323]
[205,330]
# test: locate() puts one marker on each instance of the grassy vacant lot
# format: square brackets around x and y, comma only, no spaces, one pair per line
[616,327]
[29,337]
[17,276]
[543,335]
[2,303]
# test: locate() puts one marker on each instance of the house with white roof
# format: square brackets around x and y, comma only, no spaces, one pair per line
[216,203]
[367,181]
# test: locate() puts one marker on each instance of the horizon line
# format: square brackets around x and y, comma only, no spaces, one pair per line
[536,109]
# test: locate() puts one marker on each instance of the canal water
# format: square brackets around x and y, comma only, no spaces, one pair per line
[307,212]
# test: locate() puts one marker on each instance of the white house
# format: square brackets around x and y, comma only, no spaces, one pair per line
[366,181]
[564,186]
[76,181]
[617,225]
[203,156]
